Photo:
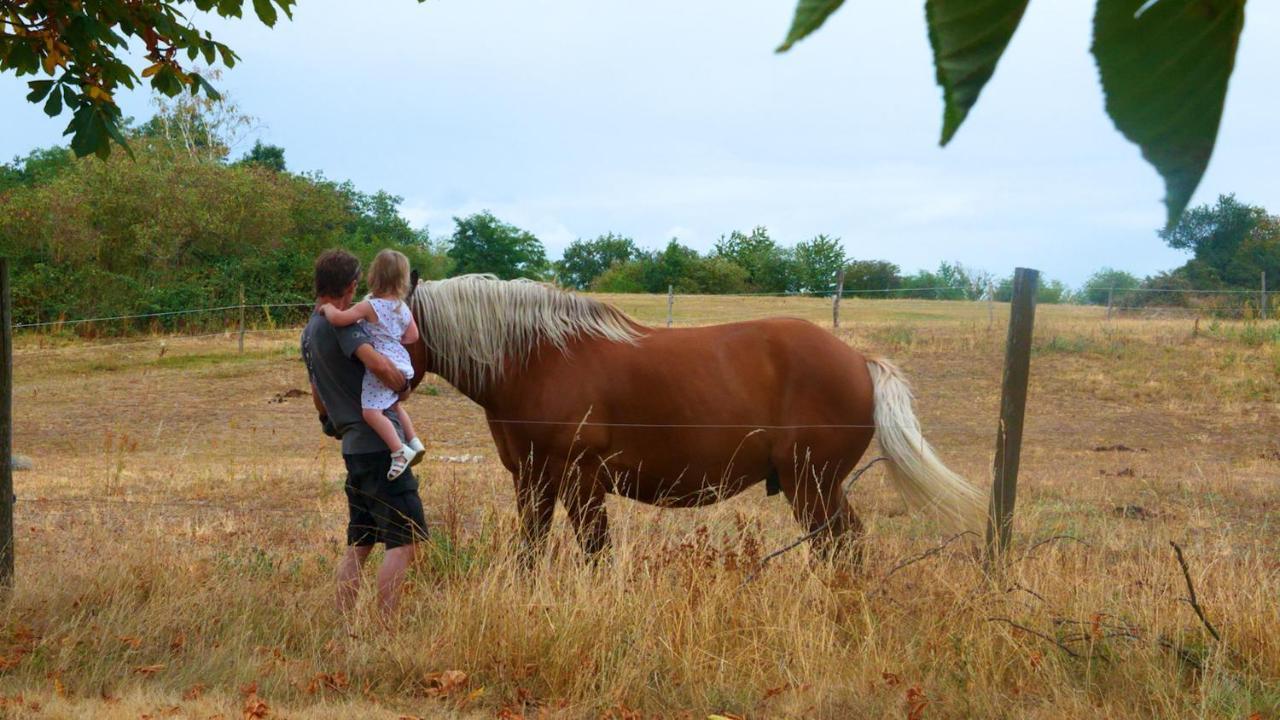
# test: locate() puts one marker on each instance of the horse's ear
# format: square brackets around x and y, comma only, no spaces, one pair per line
[413,281]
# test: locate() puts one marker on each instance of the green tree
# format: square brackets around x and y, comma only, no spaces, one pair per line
[270,157]
[93,240]
[1100,285]
[586,260]
[716,276]
[1231,243]
[770,268]
[872,275]
[484,244]
[78,48]
[1050,292]
[39,166]
[951,281]
[627,277]
[816,263]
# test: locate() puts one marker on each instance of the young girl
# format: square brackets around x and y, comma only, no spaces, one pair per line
[391,326]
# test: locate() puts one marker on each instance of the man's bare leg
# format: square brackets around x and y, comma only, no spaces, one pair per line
[391,577]
[348,576]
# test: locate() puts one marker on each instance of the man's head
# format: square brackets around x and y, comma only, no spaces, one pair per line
[337,273]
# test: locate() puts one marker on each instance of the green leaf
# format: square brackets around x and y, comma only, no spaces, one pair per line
[266,12]
[86,131]
[1165,68]
[53,107]
[810,14]
[39,88]
[113,129]
[968,38]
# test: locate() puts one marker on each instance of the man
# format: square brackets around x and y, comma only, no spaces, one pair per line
[381,511]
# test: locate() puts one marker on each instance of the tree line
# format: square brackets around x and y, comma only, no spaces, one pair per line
[183,224]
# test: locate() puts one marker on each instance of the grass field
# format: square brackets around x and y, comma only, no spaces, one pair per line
[177,535]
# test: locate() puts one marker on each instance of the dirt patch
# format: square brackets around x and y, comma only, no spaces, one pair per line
[1134,512]
[1118,448]
[287,395]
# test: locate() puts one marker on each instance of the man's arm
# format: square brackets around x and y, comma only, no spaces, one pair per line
[382,368]
[325,423]
[315,400]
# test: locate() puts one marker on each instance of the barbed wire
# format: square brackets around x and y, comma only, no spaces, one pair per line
[146,341]
[815,294]
[166,313]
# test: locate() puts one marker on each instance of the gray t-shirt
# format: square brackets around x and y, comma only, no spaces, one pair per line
[330,355]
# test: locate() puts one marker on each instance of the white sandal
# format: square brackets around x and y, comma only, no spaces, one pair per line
[419,452]
[400,460]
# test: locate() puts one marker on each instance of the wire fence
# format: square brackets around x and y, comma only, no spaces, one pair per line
[69,335]
[242,319]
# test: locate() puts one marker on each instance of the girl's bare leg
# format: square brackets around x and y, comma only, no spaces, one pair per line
[406,424]
[383,426]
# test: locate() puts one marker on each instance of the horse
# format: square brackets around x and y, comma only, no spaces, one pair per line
[583,401]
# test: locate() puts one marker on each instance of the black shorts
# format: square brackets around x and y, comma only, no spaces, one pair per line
[382,511]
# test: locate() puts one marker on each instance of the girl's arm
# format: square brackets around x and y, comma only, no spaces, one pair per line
[362,310]
[411,332]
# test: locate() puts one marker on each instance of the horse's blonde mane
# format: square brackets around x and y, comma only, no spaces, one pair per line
[473,323]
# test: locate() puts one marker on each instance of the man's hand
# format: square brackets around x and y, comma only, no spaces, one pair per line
[382,368]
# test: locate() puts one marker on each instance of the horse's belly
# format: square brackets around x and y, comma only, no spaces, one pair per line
[689,485]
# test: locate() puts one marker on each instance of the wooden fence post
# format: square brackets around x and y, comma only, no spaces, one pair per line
[671,300]
[7,498]
[991,306]
[1013,404]
[242,318]
[835,301]
[1262,306]
[1110,294]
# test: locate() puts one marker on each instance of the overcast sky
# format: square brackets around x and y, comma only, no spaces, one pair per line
[572,118]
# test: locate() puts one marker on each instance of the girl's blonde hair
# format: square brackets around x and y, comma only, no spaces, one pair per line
[389,274]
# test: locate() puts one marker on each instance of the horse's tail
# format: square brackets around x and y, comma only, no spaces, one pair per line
[921,478]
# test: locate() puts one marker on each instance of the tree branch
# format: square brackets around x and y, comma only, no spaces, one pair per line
[1191,591]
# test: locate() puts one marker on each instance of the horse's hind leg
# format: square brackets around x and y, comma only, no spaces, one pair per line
[818,502]
[583,494]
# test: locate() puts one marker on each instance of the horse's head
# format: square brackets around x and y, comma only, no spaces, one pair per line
[417,350]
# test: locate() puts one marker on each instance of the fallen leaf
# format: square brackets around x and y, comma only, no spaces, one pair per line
[916,703]
[149,669]
[194,692]
[255,709]
[326,681]
[444,684]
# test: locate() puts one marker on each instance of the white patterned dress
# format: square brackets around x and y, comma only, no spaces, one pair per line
[393,321]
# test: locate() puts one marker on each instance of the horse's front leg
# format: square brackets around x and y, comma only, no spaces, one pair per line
[583,494]
[535,505]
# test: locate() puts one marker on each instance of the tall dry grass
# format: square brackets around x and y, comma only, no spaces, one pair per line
[178,535]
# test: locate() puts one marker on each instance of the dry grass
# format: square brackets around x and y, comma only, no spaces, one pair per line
[177,537]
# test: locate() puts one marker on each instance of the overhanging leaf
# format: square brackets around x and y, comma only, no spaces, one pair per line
[968,37]
[266,12]
[1165,65]
[810,14]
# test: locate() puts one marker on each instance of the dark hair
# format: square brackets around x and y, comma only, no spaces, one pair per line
[335,271]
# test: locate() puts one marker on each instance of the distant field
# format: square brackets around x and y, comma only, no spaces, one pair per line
[177,536]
